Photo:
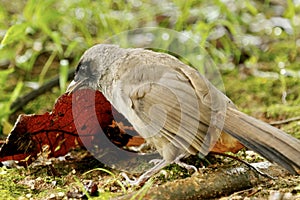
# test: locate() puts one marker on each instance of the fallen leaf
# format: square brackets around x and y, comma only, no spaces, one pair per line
[77,120]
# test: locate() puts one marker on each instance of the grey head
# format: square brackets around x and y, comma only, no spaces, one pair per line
[93,64]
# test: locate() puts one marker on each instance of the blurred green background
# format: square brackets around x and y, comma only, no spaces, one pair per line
[255,44]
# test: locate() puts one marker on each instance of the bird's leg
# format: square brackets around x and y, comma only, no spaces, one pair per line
[184,165]
[159,164]
[144,177]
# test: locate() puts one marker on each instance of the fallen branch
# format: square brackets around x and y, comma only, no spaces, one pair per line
[212,185]
[23,100]
[285,121]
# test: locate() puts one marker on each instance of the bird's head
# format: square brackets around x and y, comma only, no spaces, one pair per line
[92,65]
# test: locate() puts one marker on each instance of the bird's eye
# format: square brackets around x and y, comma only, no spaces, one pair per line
[77,68]
[83,68]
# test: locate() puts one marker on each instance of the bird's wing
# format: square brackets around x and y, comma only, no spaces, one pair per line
[167,106]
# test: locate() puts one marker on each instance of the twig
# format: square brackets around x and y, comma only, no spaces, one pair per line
[22,101]
[285,121]
[246,163]
[250,191]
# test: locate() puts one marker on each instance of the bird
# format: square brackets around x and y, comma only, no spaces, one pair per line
[175,108]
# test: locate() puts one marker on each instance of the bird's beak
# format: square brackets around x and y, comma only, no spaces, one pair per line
[74,86]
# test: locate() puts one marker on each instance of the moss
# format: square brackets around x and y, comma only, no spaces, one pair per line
[10,183]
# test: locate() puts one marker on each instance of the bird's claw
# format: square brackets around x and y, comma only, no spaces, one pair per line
[186,166]
[155,161]
[132,182]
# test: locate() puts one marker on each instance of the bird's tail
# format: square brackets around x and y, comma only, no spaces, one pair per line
[270,142]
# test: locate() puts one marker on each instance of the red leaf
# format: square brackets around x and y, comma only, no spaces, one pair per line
[71,123]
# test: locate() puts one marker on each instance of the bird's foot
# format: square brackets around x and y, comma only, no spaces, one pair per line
[132,182]
[178,162]
[155,161]
[159,164]
[186,166]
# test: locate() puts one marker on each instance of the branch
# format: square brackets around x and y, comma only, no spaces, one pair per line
[285,121]
[203,186]
[22,101]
